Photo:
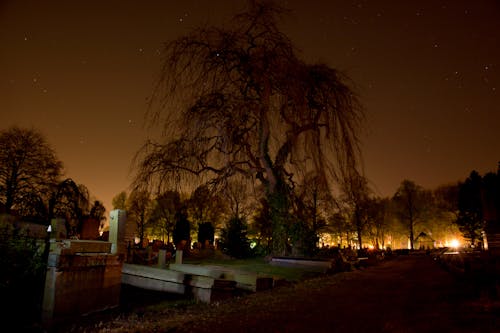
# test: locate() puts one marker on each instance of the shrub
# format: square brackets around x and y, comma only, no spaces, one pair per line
[304,239]
[234,240]
[22,273]
[182,230]
[206,233]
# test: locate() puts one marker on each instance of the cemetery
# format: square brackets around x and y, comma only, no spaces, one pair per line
[85,276]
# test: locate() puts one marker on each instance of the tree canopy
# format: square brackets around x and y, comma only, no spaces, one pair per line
[239,100]
[411,203]
[29,168]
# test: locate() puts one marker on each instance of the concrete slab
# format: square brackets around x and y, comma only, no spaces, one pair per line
[153,273]
[211,271]
[322,265]
[153,284]
[244,280]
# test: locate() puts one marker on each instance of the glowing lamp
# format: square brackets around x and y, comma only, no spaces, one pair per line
[454,243]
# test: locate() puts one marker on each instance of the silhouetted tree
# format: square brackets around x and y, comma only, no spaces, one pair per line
[311,201]
[478,203]
[98,212]
[138,210]
[237,195]
[377,225]
[340,227]
[356,195]
[70,201]
[446,198]
[411,204]
[206,232]
[205,206]
[491,196]
[239,100]
[163,215]
[29,168]
[33,207]
[182,230]
[470,218]
[120,201]
[234,240]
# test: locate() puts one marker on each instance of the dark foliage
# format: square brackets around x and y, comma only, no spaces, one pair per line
[182,228]
[206,233]
[478,203]
[21,275]
[304,239]
[29,169]
[234,240]
[470,208]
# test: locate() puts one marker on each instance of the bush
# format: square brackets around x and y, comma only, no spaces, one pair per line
[234,240]
[182,230]
[22,273]
[304,239]
[206,233]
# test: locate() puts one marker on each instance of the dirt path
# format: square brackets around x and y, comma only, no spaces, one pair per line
[407,294]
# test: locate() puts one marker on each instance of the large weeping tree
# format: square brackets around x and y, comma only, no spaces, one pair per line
[239,100]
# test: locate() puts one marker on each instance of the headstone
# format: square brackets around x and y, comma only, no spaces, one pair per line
[162,258]
[178,257]
[58,229]
[120,232]
[90,229]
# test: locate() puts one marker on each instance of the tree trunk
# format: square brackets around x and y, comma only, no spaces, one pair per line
[279,210]
[411,234]
[359,228]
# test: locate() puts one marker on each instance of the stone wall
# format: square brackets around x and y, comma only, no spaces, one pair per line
[82,277]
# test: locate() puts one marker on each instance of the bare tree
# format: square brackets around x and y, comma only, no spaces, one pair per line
[356,195]
[28,167]
[239,100]
[138,210]
[237,194]
[340,228]
[311,202]
[377,220]
[164,212]
[411,202]
[206,206]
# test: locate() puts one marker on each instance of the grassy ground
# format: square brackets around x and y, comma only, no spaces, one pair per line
[260,266]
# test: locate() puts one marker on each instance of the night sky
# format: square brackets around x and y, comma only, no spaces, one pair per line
[427,72]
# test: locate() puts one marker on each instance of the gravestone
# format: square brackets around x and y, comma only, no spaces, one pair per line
[121,233]
[90,229]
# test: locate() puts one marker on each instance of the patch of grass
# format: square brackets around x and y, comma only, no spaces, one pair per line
[260,266]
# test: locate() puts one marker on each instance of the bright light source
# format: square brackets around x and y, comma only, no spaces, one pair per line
[454,243]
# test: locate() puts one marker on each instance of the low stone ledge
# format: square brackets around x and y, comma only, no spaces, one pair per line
[324,264]
[153,273]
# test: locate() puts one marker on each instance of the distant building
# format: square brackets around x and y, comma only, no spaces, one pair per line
[424,241]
